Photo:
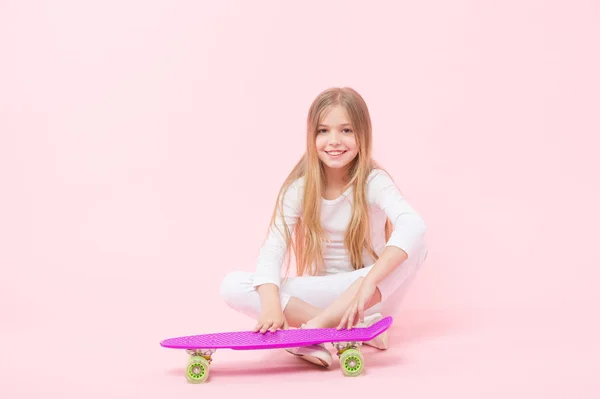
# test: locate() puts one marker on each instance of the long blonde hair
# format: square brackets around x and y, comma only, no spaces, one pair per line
[308,233]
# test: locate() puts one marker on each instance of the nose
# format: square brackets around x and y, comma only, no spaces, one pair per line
[335,138]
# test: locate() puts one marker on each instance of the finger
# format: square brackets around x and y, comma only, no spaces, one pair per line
[276,326]
[261,327]
[348,314]
[343,320]
[346,317]
[257,326]
[285,325]
[361,311]
[351,317]
[339,326]
[267,326]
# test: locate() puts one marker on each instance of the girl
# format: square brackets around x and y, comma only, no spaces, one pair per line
[357,242]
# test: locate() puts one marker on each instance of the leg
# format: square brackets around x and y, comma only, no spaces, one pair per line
[386,299]
[331,316]
[302,298]
[322,297]
[298,312]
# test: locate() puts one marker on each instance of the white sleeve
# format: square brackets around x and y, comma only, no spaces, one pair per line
[409,227]
[272,253]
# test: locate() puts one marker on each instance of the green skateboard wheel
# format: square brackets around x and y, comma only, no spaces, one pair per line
[352,362]
[197,369]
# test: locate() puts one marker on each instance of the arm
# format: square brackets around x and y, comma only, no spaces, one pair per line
[390,258]
[267,278]
[271,315]
[269,296]
[407,235]
[408,226]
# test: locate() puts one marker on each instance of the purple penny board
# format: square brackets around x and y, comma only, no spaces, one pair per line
[247,340]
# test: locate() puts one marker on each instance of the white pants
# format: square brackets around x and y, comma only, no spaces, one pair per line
[238,292]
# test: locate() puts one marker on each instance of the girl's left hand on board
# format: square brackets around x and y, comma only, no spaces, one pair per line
[356,310]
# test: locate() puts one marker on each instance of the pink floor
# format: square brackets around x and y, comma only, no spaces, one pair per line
[433,354]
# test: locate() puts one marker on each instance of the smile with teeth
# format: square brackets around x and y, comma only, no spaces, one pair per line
[337,152]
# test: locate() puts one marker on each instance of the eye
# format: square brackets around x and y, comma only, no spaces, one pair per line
[321,130]
[349,130]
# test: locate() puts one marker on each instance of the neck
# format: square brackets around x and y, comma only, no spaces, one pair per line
[336,177]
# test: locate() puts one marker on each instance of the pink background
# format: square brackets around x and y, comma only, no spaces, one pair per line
[142,144]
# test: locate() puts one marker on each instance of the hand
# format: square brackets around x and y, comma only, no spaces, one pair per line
[271,319]
[356,310]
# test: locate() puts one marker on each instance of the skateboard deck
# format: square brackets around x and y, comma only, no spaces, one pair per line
[347,342]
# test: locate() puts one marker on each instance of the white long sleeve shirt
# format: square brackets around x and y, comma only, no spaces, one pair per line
[385,200]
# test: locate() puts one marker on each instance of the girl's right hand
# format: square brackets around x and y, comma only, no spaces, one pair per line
[272,320]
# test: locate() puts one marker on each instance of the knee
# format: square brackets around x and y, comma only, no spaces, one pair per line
[232,287]
[420,255]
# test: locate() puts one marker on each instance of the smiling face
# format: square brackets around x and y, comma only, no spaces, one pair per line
[335,141]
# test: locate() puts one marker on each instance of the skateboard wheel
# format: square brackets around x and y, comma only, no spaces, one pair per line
[197,369]
[352,362]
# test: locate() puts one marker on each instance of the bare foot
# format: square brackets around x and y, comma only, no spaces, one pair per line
[315,322]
